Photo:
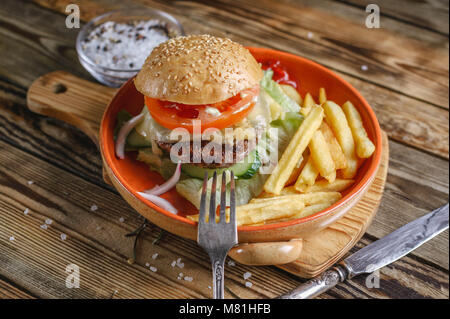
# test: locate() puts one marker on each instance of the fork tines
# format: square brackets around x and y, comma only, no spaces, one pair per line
[223,200]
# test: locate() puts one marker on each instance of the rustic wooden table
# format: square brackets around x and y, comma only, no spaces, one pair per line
[50,171]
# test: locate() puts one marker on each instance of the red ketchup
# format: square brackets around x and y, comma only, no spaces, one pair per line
[280,75]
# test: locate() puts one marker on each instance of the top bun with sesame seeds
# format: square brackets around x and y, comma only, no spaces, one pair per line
[198,69]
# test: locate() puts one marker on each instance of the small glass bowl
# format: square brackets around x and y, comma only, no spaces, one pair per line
[116,77]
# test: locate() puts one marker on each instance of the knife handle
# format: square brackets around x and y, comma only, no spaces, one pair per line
[319,284]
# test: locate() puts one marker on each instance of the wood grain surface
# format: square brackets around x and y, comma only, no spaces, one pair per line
[406,83]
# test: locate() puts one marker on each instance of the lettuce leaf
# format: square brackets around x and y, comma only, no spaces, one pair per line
[277,93]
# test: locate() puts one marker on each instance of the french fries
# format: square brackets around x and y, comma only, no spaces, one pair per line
[257,213]
[294,151]
[307,199]
[335,149]
[320,153]
[308,175]
[338,122]
[322,96]
[292,93]
[275,109]
[364,146]
[308,103]
[324,186]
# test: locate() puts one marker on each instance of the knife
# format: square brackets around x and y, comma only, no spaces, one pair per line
[376,255]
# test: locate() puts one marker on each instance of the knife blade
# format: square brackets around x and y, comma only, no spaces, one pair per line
[378,254]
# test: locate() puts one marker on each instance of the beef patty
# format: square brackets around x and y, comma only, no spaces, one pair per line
[237,152]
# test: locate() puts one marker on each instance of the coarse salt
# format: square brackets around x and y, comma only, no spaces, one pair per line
[63,236]
[247,275]
[154,256]
[26,211]
[44,226]
[11,238]
[124,46]
[121,219]
[154,269]
[174,263]
[30,182]
[187,278]
[94,208]
[248,284]
[48,221]
[364,67]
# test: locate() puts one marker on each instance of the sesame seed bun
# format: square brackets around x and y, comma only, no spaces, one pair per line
[198,69]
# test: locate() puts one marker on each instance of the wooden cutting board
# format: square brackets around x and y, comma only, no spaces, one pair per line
[82,104]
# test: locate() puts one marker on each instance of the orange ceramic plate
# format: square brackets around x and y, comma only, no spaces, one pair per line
[135,176]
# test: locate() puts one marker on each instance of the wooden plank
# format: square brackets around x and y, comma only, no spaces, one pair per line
[416,185]
[10,291]
[37,258]
[429,14]
[405,119]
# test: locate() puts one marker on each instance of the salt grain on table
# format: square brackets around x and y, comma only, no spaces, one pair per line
[48,221]
[63,236]
[94,208]
[121,219]
[154,256]
[248,284]
[247,275]
[11,238]
[124,46]
[26,211]
[30,182]
[154,269]
[187,278]
[44,226]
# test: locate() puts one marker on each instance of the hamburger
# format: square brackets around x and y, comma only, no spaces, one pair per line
[213,87]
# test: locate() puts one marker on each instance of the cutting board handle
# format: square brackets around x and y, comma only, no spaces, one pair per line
[66,97]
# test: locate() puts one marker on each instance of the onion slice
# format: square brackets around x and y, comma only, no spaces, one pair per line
[159,201]
[123,133]
[167,185]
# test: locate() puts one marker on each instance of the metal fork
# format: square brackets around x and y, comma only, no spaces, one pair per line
[217,238]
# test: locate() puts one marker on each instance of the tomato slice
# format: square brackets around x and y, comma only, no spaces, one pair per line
[173,115]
